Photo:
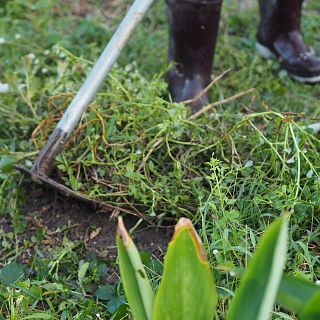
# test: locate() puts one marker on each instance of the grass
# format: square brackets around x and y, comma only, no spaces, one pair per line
[232,170]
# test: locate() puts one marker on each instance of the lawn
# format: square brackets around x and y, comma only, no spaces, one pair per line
[232,169]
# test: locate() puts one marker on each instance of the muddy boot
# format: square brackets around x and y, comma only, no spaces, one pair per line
[193,28]
[279,36]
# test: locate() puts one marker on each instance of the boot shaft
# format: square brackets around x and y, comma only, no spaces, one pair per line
[278,17]
[193,29]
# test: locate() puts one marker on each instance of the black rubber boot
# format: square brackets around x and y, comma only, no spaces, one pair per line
[193,28]
[279,36]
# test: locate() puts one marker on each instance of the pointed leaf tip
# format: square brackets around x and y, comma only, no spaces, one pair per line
[186,223]
[135,280]
[187,290]
[122,232]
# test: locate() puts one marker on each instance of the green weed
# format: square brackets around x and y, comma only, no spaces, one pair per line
[234,168]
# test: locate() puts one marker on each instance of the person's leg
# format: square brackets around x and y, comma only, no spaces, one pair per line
[279,34]
[193,28]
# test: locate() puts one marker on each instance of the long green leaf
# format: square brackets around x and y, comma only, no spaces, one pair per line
[311,310]
[135,281]
[294,293]
[256,295]
[187,290]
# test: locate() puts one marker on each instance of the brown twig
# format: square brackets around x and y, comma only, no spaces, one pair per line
[219,103]
[139,214]
[145,159]
[214,81]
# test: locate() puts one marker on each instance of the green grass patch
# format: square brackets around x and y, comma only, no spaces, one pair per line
[234,168]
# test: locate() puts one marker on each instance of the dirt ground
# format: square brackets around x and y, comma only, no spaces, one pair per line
[61,216]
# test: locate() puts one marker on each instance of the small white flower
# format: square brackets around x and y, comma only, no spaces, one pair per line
[283,74]
[248,164]
[62,55]
[44,70]
[138,152]
[310,174]
[31,56]
[22,85]
[46,52]
[215,252]
[318,282]
[37,61]
[128,68]
[2,40]
[17,36]
[232,273]
[4,87]
[291,160]
[28,163]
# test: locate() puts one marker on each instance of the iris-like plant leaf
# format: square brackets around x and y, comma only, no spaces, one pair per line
[187,290]
[295,293]
[135,281]
[256,295]
[311,310]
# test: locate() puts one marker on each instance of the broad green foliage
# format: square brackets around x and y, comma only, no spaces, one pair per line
[295,293]
[311,309]
[258,289]
[187,290]
[135,279]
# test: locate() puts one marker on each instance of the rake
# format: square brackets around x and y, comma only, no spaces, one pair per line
[44,163]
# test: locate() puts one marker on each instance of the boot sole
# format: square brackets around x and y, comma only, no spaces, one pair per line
[268,54]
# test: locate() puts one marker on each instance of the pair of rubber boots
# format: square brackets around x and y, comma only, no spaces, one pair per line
[193,29]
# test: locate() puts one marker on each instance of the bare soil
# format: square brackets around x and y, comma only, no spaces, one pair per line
[61,217]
